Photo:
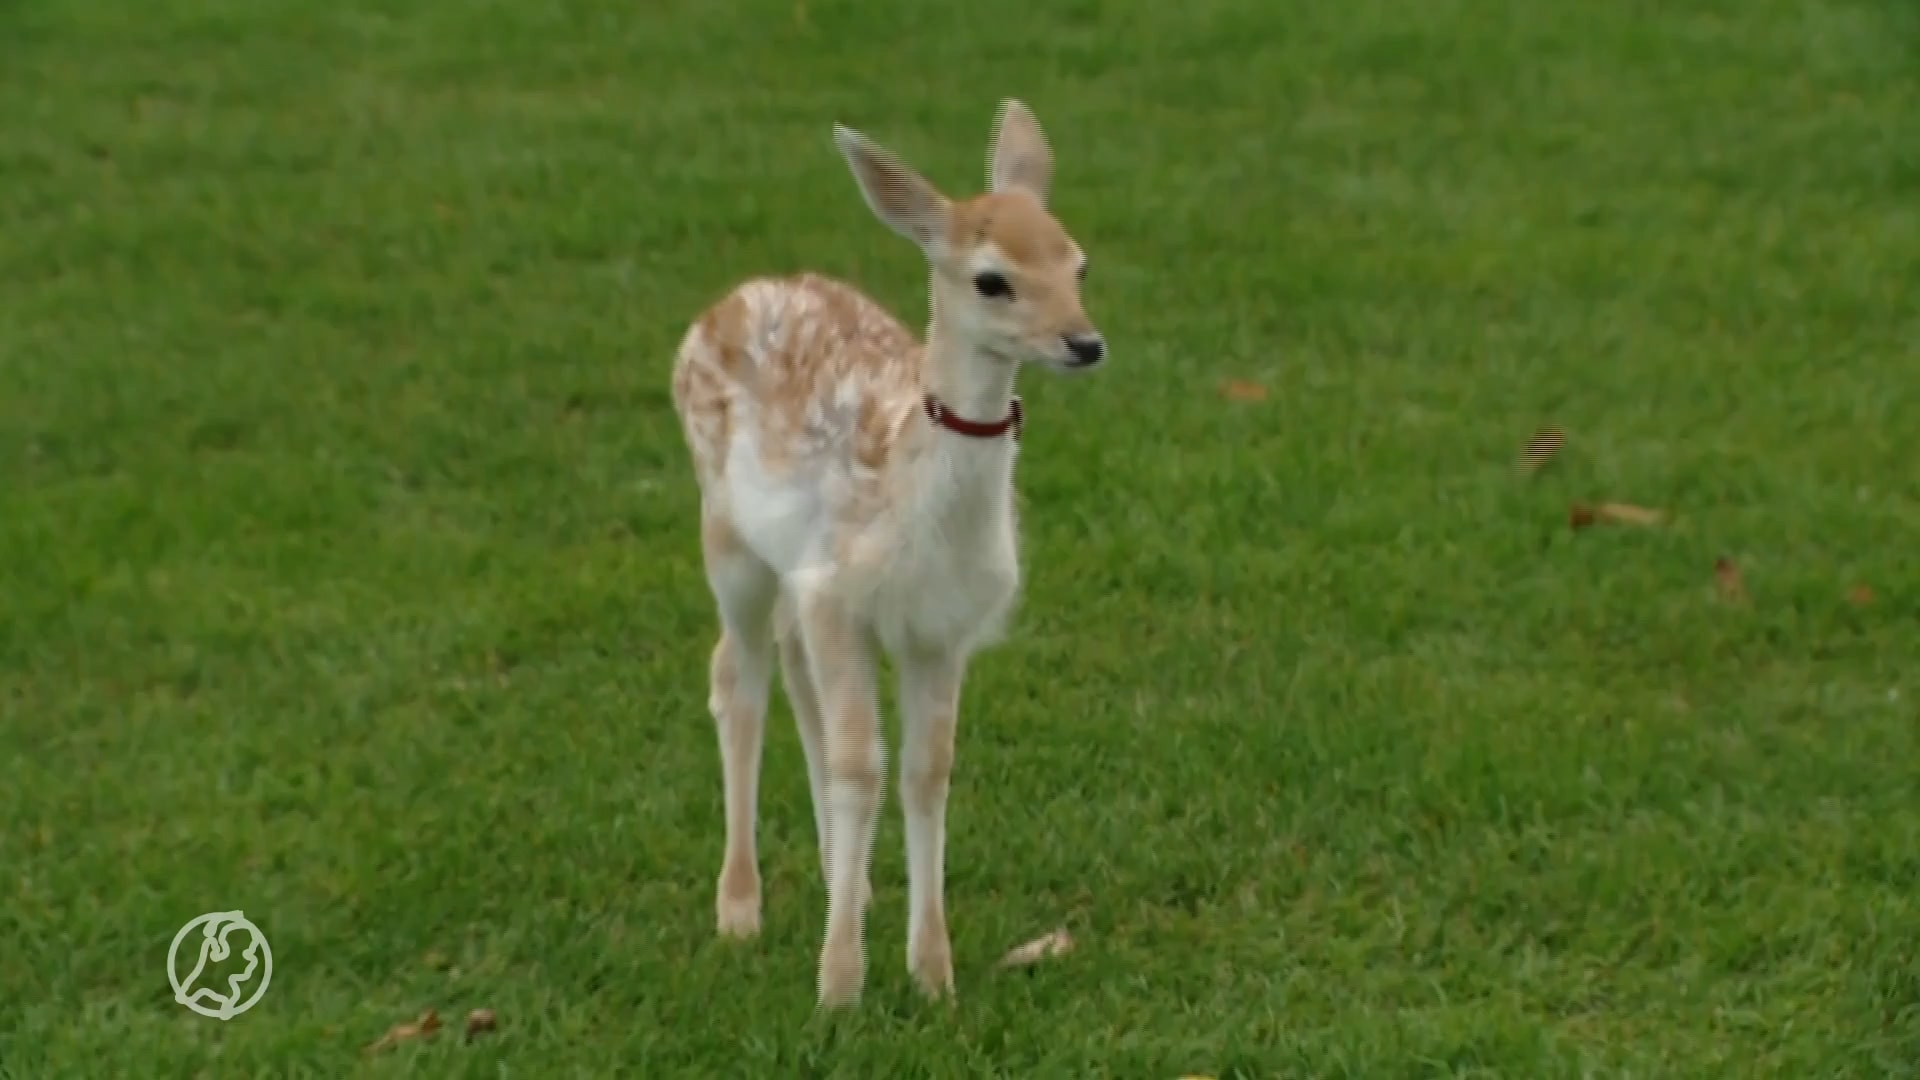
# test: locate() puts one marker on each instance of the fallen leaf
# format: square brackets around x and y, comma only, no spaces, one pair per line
[427,1023]
[1628,514]
[480,1021]
[1580,515]
[1545,443]
[1860,596]
[1242,390]
[1058,943]
[1726,576]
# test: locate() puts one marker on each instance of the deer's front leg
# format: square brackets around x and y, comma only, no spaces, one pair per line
[929,703]
[844,677]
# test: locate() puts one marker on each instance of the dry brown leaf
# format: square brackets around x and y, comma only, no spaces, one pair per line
[1058,943]
[1727,578]
[1628,514]
[1860,596]
[1242,390]
[480,1021]
[1581,515]
[427,1023]
[1540,449]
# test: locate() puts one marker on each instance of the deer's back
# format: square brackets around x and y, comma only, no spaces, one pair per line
[792,392]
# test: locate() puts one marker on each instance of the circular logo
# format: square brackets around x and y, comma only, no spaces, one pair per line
[242,990]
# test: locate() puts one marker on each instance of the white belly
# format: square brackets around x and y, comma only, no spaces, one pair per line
[785,523]
[946,583]
[948,597]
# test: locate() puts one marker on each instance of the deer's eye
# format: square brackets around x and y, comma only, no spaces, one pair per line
[992,283]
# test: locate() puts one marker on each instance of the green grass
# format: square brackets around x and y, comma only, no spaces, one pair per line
[349,571]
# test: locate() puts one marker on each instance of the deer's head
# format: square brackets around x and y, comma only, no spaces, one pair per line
[1006,276]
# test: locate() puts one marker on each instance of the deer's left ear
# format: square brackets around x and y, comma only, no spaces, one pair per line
[1019,157]
[897,195]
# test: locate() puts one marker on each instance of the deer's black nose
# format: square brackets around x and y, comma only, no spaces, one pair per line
[1087,349]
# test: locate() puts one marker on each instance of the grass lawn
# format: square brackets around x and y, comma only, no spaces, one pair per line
[349,572]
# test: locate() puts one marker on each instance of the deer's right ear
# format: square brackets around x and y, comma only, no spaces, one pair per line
[1018,157]
[897,195]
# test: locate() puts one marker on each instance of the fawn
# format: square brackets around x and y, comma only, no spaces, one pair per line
[856,491]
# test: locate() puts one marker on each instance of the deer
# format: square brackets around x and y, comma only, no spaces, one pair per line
[857,498]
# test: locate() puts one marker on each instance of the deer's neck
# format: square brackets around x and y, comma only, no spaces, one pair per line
[965,473]
[975,385]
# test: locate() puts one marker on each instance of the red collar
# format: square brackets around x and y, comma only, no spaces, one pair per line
[938,412]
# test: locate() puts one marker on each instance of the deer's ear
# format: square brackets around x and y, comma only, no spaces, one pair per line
[900,197]
[1019,157]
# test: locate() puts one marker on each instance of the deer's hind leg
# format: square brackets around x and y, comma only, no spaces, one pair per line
[744,589]
[804,698]
[805,702]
